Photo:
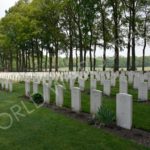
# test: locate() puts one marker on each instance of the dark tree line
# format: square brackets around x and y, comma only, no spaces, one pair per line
[34,34]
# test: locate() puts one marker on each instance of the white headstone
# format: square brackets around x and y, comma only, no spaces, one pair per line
[113,81]
[35,87]
[123,86]
[149,83]
[59,95]
[97,76]
[76,99]
[108,75]
[82,84]
[50,81]
[102,79]
[139,79]
[6,85]
[124,110]
[93,83]
[10,86]
[107,87]
[46,93]
[27,88]
[3,84]
[96,100]
[143,91]
[130,77]
[72,81]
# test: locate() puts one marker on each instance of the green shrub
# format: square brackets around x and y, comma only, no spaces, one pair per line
[105,116]
[37,98]
[21,82]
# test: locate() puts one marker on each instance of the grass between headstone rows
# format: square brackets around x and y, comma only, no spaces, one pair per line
[44,129]
[141,111]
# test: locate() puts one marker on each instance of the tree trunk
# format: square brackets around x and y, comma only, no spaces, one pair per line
[91,39]
[42,59]
[145,43]
[46,61]
[129,43]
[17,61]
[50,59]
[29,62]
[11,61]
[85,59]
[56,53]
[33,62]
[116,36]
[133,36]
[38,56]
[80,44]
[70,46]
[76,58]
[95,57]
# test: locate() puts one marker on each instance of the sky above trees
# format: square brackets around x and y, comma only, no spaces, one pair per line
[6,4]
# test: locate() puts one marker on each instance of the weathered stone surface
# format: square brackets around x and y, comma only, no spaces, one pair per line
[143,91]
[59,95]
[76,99]
[46,93]
[96,101]
[124,110]
[123,86]
[107,87]
[27,88]
[35,87]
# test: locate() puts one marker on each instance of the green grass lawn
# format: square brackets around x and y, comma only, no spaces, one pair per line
[141,111]
[46,130]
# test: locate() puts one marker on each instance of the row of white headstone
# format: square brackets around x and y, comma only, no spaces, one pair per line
[123,87]
[6,85]
[132,77]
[123,102]
[108,79]
[107,84]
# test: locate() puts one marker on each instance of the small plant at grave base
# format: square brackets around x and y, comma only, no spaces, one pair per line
[37,98]
[76,82]
[21,82]
[104,116]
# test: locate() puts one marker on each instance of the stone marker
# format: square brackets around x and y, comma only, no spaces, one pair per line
[50,82]
[98,78]
[93,83]
[46,93]
[10,86]
[124,110]
[102,79]
[6,85]
[3,84]
[72,81]
[113,80]
[35,87]
[123,86]
[27,88]
[82,84]
[108,75]
[76,99]
[59,95]
[122,78]
[107,87]
[95,101]
[149,83]
[136,82]
[130,78]
[143,91]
